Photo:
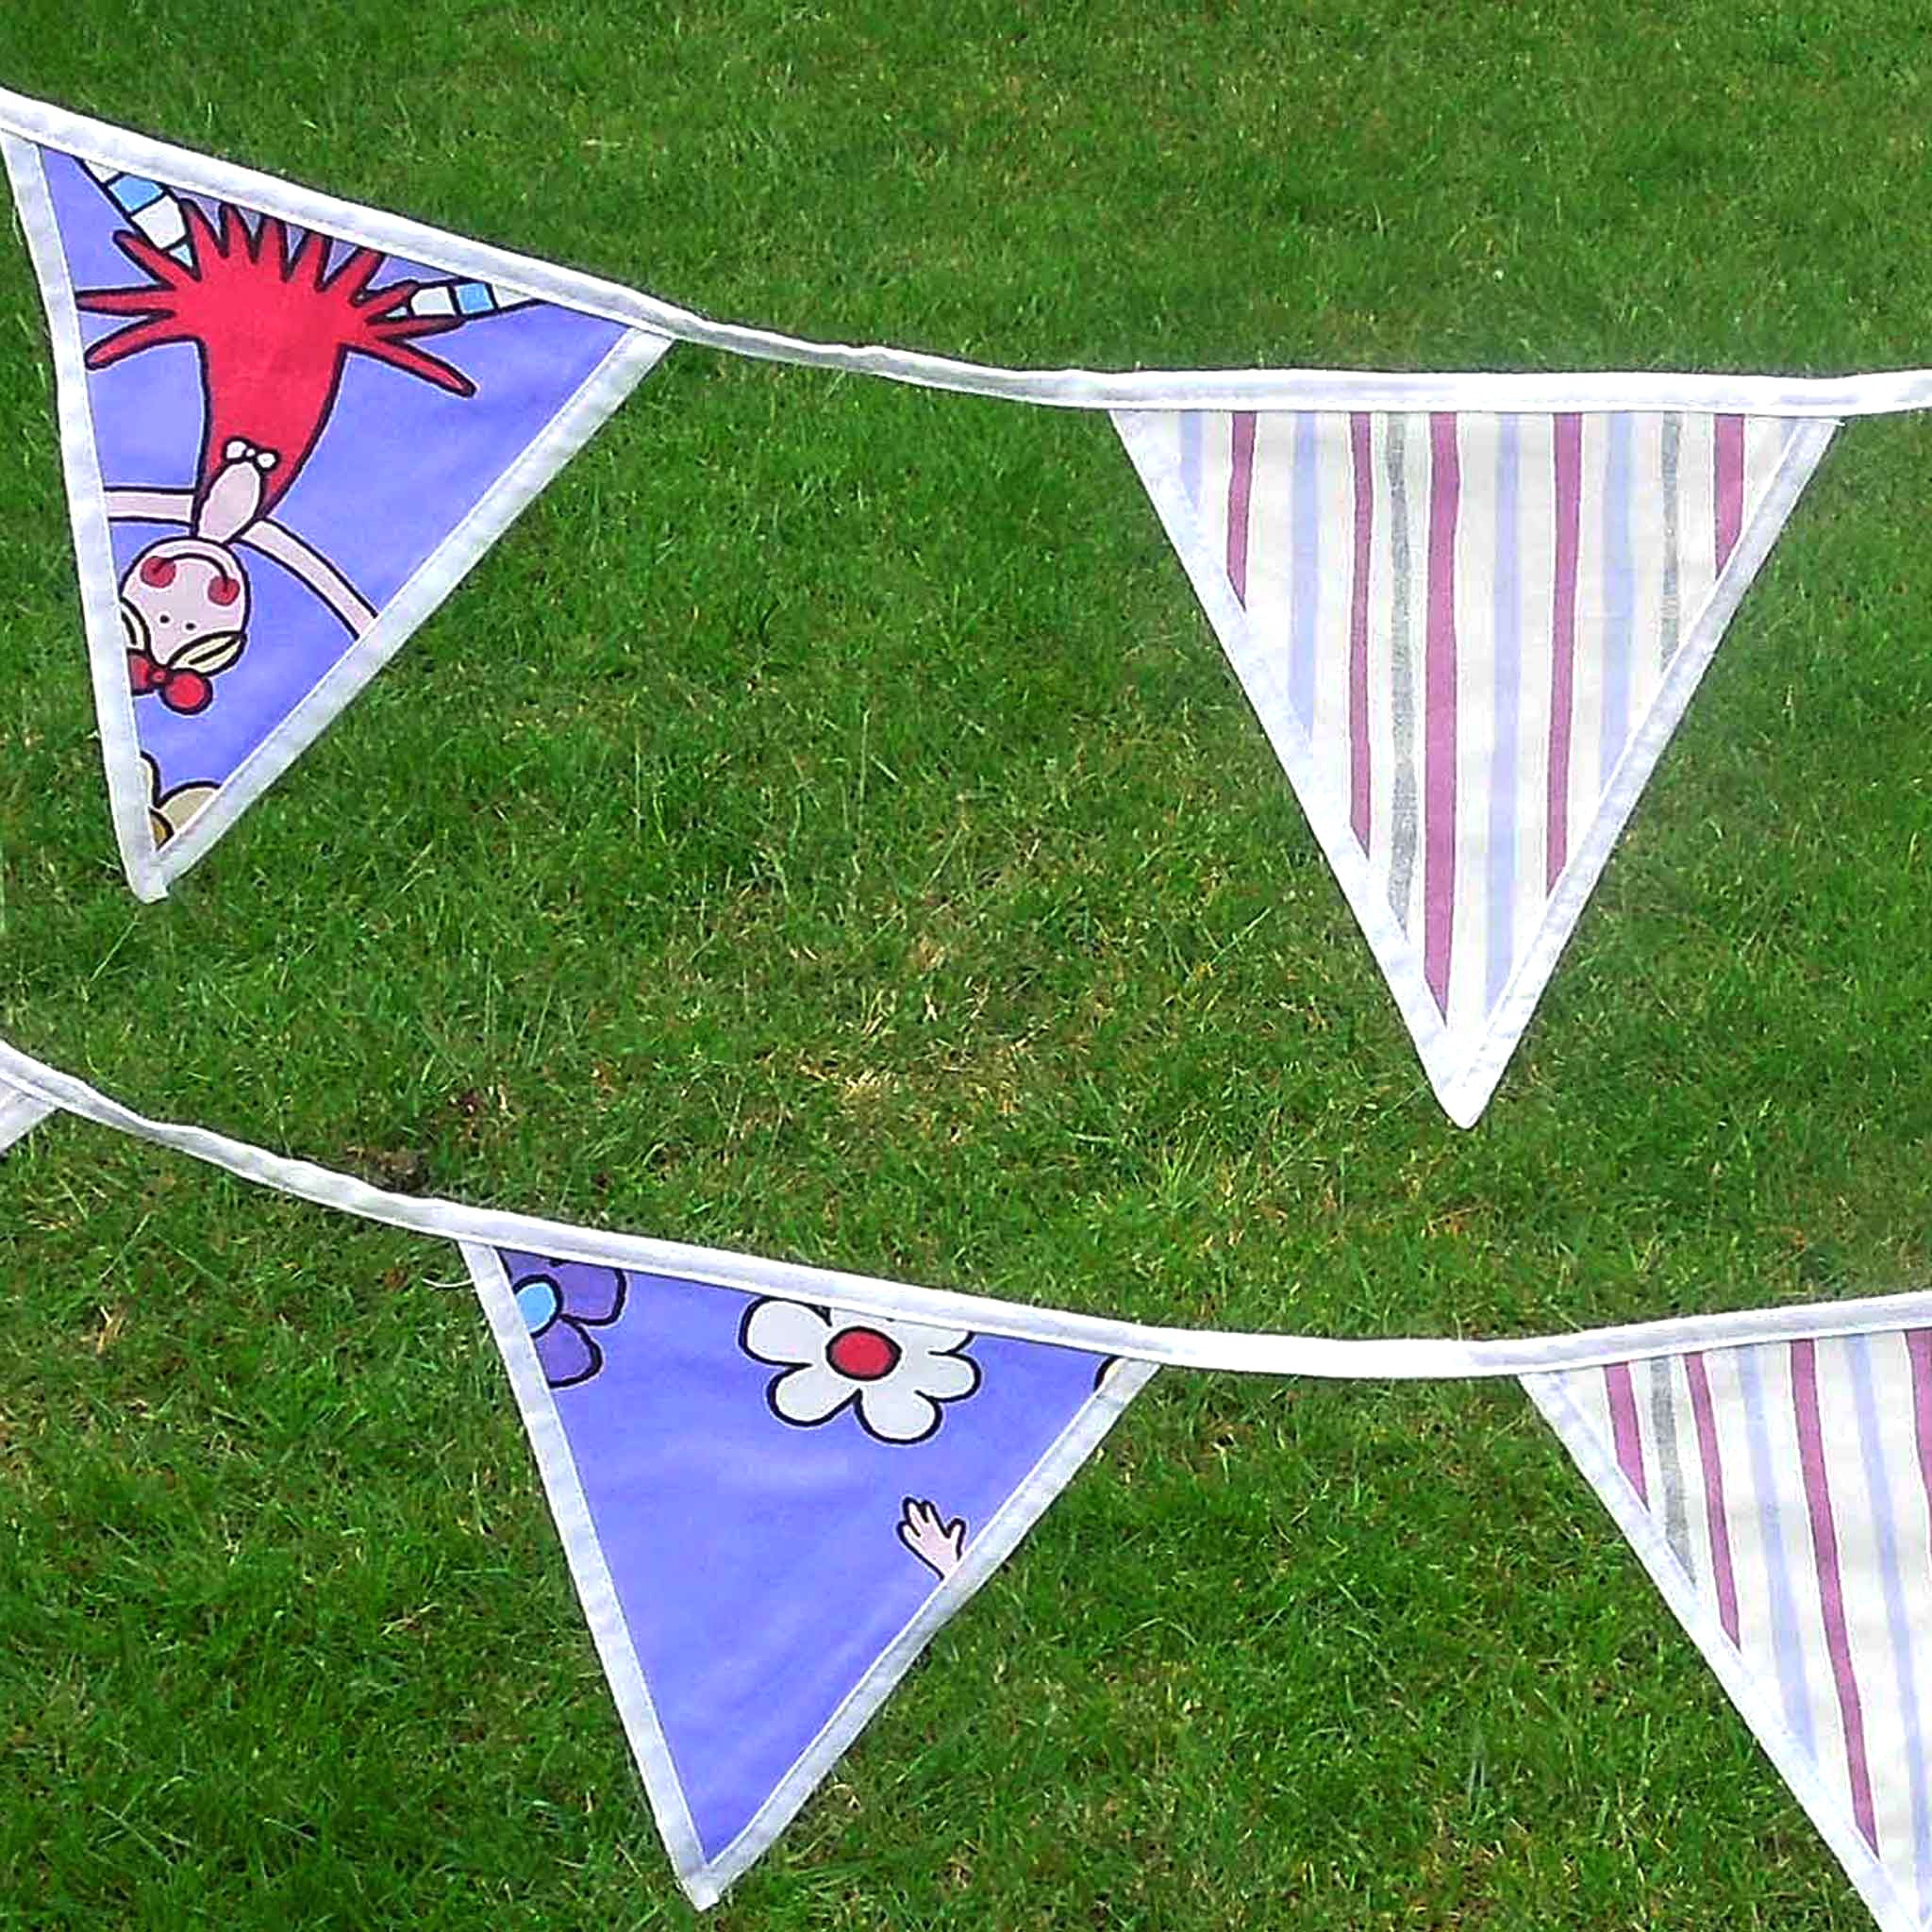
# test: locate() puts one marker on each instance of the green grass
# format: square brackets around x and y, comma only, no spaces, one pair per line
[826,827]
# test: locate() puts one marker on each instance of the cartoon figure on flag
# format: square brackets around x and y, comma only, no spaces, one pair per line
[274,321]
[288,438]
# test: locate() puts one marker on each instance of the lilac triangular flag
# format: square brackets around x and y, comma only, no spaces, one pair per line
[1468,638]
[285,442]
[1780,1495]
[769,1507]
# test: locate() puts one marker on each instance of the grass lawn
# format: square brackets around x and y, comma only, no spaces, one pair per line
[826,827]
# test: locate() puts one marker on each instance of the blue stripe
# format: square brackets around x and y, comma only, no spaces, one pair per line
[1503,773]
[1785,1640]
[1892,1577]
[1619,574]
[1306,589]
[1190,457]
[474,298]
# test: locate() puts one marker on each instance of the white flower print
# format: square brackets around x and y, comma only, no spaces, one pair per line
[893,1374]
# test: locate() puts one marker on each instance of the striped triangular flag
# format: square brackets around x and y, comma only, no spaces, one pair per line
[1468,638]
[1780,1495]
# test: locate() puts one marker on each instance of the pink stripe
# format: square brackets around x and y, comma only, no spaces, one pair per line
[1715,1516]
[1438,709]
[1624,1425]
[1838,1637]
[1359,631]
[1241,487]
[1919,1347]
[1728,485]
[1569,438]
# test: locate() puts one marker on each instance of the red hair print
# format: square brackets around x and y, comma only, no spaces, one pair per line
[274,326]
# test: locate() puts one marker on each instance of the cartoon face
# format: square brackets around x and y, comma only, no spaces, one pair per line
[184,607]
[182,591]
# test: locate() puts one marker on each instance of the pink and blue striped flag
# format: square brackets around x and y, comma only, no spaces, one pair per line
[1468,638]
[1780,1495]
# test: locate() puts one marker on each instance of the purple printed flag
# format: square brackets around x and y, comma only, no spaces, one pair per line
[1780,1495]
[768,1506]
[284,443]
[1468,638]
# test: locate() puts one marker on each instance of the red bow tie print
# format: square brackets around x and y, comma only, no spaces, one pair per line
[186,691]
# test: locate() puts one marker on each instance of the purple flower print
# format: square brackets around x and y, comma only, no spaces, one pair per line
[562,1302]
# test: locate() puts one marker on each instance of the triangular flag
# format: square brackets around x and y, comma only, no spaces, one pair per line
[1468,638]
[1780,1495]
[769,1507]
[285,442]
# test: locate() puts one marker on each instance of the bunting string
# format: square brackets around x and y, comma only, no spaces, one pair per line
[1873,393]
[40,1089]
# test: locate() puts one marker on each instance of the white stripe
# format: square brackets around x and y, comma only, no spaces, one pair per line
[1697,517]
[1271,523]
[1329,740]
[1419,471]
[1647,591]
[1380,659]
[1476,717]
[1537,563]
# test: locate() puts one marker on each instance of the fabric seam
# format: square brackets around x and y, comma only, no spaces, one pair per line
[596,1591]
[1005,1529]
[588,407]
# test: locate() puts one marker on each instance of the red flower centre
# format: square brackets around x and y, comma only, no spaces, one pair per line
[863,1353]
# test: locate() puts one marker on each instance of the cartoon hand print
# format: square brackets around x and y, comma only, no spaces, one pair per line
[937,1543]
